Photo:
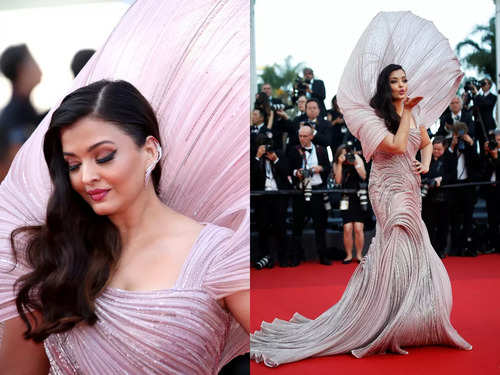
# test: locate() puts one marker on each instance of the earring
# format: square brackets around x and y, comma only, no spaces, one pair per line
[149,170]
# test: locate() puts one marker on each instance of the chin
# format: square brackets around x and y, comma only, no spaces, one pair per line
[103,209]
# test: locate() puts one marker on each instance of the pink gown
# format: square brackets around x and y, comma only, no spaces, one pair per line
[400,294]
[190,59]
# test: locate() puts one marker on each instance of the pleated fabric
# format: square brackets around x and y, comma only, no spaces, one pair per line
[400,294]
[432,69]
[190,59]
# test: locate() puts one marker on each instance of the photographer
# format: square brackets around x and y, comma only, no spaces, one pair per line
[484,102]
[301,107]
[321,128]
[310,168]
[453,114]
[259,127]
[269,108]
[269,171]
[312,88]
[349,171]
[435,199]
[491,171]
[462,160]
[340,132]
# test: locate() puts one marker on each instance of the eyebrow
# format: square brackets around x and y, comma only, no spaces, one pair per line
[90,148]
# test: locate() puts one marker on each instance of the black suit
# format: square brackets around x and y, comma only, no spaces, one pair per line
[321,138]
[270,210]
[277,127]
[314,208]
[488,167]
[485,104]
[436,203]
[319,93]
[448,118]
[254,133]
[463,199]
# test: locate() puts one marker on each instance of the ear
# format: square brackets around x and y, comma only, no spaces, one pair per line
[152,149]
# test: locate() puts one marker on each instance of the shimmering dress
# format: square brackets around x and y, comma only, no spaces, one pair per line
[168,50]
[400,294]
[181,330]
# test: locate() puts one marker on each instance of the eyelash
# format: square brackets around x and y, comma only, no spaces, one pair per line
[103,160]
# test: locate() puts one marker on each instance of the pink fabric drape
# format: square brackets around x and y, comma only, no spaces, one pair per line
[190,59]
[432,69]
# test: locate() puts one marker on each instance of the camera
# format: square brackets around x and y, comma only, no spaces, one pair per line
[492,144]
[472,82]
[427,183]
[363,196]
[460,129]
[268,142]
[264,262]
[299,88]
[308,173]
[280,107]
[349,152]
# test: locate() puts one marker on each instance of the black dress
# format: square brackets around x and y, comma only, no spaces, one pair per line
[351,180]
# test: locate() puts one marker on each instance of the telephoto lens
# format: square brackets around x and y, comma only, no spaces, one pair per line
[264,262]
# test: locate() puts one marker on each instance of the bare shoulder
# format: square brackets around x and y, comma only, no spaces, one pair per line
[180,228]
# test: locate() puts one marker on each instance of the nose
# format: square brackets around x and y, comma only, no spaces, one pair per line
[89,173]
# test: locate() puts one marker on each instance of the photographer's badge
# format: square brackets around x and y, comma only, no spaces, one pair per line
[344,203]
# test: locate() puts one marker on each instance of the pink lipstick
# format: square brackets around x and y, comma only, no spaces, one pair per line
[97,194]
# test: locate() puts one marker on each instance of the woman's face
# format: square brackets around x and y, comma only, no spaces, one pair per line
[398,84]
[105,165]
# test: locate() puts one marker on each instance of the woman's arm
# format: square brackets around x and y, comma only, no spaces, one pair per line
[239,305]
[19,356]
[337,172]
[425,155]
[360,167]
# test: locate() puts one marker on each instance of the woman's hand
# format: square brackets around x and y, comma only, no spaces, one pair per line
[418,167]
[410,103]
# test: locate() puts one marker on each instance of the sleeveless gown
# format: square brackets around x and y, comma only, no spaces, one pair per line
[400,294]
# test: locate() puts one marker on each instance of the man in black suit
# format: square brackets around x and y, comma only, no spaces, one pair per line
[463,162]
[301,106]
[258,127]
[308,156]
[435,202]
[321,128]
[269,171]
[491,172]
[484,102]
[315,89]
[278,128]
[453,114]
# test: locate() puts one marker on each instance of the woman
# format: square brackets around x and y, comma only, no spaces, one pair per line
[204,176]
[350,172]
[109,244]
[400,294]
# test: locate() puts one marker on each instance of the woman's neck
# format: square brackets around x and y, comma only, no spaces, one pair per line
[140,218]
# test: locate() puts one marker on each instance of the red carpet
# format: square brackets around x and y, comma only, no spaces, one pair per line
[311,288]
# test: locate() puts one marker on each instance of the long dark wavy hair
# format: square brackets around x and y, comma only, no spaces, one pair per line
[382,100]
[74,252]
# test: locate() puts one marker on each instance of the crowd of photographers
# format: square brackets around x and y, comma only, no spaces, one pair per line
[312,160]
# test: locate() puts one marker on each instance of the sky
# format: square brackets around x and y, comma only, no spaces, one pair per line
[53,35]
[323,33]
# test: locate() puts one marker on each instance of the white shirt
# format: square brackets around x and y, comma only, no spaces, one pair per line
[461,170]
[456,117]
[311,160]
[271,184]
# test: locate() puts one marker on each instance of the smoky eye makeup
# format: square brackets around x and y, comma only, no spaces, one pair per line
[107,158]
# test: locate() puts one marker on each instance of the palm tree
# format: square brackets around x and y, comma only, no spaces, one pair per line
[483,55]
[281,77]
